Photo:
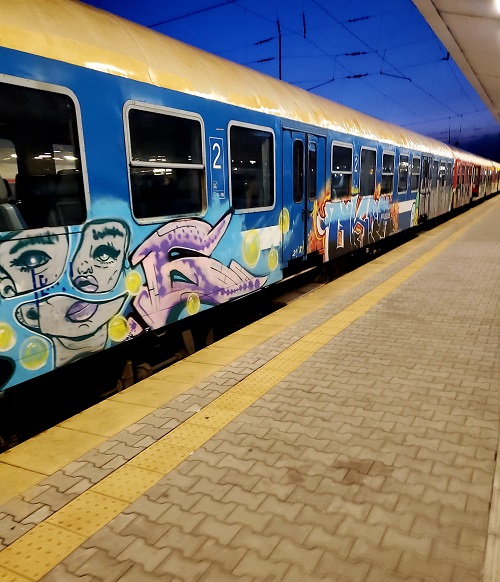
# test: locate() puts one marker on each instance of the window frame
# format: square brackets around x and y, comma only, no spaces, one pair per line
[345,145]
[405,189]
[61,90]
[393,154]
[263,128]
[171,112]
[435,173]
[374,150]
[312,172]
[418,174]
[298,172]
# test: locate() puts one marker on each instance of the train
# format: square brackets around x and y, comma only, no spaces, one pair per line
[144,182]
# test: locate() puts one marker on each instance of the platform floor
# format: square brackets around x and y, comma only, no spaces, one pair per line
[350,436]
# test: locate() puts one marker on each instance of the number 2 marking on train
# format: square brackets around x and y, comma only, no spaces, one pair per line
[216,147]
[217,168]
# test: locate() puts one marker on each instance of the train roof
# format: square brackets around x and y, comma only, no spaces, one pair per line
[76,33]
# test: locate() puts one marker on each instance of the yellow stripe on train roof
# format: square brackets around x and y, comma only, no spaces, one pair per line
[76,33]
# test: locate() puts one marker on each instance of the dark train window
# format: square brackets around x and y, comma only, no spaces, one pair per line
[415,174]
[252,167]
[403,174]
[167,173]
[387,174]
[41,182]
[434,174]
[367,175]
[341,171]
[311,171]
[442,174]
[448,174]
[298,170]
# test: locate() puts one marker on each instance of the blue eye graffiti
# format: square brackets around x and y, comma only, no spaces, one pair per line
[105,254]
[30,260]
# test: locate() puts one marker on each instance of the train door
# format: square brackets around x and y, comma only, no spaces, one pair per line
[304,166]
[425,188]
[449,185]
[443,198]
[434,193]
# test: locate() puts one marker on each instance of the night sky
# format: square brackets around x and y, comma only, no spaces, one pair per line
[377,56]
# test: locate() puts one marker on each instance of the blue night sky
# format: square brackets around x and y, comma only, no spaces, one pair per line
[399,71]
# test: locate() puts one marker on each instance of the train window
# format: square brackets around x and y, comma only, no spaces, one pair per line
[41,181]
[442,174]
[311,172]
[403,174]
[415,174]
[367,175]
[341,171]
[434,174]
[298,170]
[426,173]
[166,163]
[387,174]
[252,167]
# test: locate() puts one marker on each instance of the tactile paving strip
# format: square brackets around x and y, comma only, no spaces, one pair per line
[160,457]
[128,483]
[85,514]
[39,550]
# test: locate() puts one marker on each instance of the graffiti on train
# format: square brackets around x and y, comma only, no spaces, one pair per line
[353,222]
[181,273]
[75,294]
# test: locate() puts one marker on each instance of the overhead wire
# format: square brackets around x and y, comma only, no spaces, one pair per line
[192,13]
[446,106]
[303,33]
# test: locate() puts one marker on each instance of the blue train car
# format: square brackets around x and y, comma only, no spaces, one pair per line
[143,181]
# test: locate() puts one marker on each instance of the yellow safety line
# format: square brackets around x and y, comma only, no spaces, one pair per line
[39,550]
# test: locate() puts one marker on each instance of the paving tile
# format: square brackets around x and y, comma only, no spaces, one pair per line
[181,568]
[144,553]
[175,538]
[259,568]
[103,567]
[222,532]
[224,555]
[288,551]
[53,498]
[19,510]
[333,567]
[364,551]
[285,529]
[412,565]
[11,530]
[137,574]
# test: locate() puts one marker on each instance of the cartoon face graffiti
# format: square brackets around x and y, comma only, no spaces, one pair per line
[76,327]
[99,259]
[29,263]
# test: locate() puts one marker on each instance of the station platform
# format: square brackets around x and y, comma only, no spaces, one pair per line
[349,436]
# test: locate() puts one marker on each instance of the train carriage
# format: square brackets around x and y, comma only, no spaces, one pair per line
[144,181]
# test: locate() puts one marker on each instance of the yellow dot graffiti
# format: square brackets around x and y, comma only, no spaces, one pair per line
[251,248]
[284,221]
[193,304]
[34,353]
[118,328]
[7,337]
[272,259]
[133,282]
